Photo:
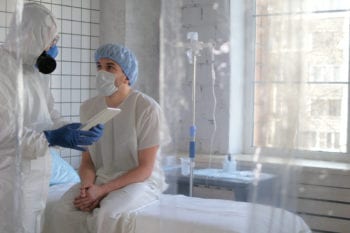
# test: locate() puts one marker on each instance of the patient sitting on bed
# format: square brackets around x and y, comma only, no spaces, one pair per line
[120,172]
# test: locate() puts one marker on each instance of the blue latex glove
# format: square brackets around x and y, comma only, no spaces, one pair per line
[70,136]
[53,51]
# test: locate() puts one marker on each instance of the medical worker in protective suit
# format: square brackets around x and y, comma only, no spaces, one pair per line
[28,122]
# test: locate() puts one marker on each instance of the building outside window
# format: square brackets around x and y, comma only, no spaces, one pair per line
[301,79]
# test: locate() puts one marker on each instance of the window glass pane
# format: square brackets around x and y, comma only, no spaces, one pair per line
[301,75]
[279,6]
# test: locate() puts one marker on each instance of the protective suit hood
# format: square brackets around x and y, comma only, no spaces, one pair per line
[33,35]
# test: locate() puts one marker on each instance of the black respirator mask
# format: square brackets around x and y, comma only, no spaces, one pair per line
[45,63]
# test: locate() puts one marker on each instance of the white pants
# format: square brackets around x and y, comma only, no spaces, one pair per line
[32,188]
[113,216]
[36,189]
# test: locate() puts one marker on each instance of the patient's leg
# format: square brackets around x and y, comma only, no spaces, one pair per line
[66,218]
[114,216]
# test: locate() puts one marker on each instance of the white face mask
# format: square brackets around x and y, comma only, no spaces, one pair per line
[105,83]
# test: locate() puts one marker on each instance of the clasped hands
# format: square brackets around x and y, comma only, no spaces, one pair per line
[89,197]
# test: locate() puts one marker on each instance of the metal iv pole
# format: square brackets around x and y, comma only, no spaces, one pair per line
[195,47]
[192,53]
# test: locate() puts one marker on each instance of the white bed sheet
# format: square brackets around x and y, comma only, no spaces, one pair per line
[177,213]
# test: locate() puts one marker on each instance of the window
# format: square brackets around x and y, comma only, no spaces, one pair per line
[301,81]
[325,108]
[308,139]
[327,73]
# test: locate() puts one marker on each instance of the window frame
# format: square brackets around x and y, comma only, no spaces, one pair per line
[248,109]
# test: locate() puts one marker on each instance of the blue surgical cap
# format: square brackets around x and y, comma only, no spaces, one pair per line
[122,56]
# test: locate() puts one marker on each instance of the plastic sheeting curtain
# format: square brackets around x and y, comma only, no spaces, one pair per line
[296,72]
[14,205]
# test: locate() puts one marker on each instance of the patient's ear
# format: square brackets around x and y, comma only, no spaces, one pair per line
[126,81]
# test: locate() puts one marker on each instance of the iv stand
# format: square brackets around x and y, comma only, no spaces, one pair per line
[194,47]
[192,151]
[192,53]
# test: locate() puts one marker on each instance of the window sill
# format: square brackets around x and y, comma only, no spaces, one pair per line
[334,167]
[304,163]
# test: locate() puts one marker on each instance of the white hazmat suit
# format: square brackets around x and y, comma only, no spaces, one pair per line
[25,191]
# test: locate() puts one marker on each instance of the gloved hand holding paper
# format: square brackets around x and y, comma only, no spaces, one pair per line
[70,136]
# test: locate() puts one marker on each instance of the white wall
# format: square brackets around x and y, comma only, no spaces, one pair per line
[135,24]
[211,20]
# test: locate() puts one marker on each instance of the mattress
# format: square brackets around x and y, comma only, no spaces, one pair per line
[178,213]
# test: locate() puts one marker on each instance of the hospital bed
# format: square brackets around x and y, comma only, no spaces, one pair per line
[178,213]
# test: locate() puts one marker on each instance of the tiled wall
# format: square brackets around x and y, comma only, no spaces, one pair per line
[73,80]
